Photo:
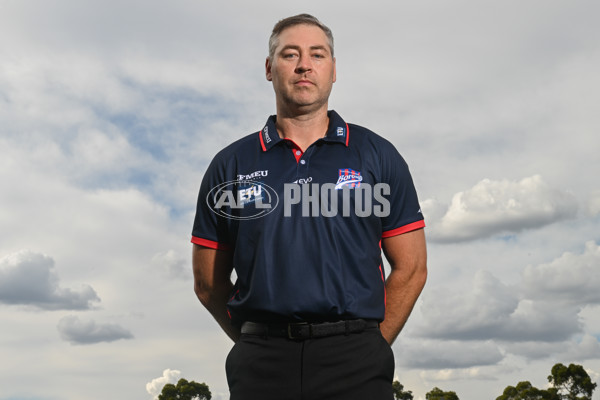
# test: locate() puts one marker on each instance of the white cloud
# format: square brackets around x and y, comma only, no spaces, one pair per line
[476,314]
[586,348]
[534,320]
[571,278]
[433,210]
[101,125]
[451,354]
[75,331]
[174,265]
[539,318]
[155,386]
[448,375]
[534,350]
[28,278]
[593,205]
[582,348]
[499,207]
[493,310]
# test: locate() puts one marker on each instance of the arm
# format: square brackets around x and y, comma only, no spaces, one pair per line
[212,284]
[407,256]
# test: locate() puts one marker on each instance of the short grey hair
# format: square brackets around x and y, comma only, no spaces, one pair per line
[300,19]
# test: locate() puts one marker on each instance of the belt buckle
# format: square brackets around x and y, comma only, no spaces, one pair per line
[289,330]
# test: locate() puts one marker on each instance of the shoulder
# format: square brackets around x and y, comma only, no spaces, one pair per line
[224,164]
[363,136]
[365,139]
[240,147]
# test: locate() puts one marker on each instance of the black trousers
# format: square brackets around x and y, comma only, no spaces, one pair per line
[355,366]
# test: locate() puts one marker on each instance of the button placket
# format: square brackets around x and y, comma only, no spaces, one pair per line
[302,169]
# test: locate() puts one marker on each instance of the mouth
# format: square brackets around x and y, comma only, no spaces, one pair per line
[304,82]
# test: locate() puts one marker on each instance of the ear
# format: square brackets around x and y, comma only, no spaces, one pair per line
[334,71]
[268,69]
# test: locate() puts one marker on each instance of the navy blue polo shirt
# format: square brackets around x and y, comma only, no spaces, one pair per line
[305,228]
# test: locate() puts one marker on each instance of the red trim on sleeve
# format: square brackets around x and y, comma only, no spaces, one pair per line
[403,229]
[384,291]
[347,134]
[209,243]
[231,299]
[262,143]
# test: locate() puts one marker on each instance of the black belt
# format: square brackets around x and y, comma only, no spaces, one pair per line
[305,330]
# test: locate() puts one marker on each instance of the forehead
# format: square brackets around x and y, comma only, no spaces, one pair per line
[302,36]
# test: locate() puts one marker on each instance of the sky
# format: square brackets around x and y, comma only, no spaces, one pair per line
[110,112]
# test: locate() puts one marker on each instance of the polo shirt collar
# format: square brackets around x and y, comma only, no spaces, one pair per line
[336,132]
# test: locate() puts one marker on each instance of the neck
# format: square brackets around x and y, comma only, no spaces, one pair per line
[302,128]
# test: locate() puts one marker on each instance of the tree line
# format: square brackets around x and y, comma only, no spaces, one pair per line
[566,383]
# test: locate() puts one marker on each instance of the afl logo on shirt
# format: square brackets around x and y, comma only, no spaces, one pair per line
[242,199]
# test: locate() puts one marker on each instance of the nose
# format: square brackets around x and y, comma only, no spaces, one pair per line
[304,64]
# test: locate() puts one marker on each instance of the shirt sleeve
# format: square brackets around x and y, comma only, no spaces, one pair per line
[405,212]
[211,230]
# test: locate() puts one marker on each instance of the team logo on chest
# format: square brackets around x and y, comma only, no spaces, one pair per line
[348,177]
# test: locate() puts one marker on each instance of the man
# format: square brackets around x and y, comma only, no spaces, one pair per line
[301,211]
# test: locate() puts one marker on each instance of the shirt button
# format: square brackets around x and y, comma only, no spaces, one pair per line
[302,162]
[298,152]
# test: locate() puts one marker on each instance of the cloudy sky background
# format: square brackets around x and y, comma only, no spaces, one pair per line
[110,112]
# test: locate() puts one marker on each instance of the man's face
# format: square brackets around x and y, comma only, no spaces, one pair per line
[302,68]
